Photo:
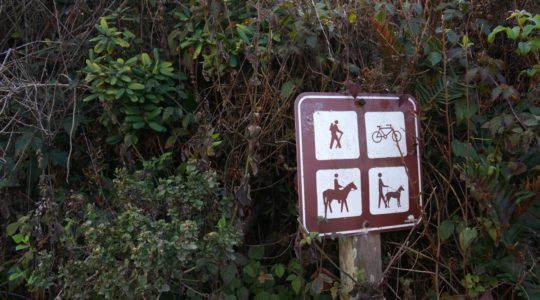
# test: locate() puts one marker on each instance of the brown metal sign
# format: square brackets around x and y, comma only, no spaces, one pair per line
[359,167]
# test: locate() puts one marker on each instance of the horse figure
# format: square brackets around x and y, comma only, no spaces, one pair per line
[339,195]
[396,194]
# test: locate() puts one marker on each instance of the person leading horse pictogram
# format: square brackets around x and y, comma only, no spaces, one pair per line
[334,130]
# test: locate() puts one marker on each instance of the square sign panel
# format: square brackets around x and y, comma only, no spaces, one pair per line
[336,135]
[338,193]
[359,166]
[384,133]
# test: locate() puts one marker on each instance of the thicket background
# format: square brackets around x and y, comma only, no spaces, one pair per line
[147,148]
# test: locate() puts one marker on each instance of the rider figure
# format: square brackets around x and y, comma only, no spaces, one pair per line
[337,186]
[381,194]
[334,130]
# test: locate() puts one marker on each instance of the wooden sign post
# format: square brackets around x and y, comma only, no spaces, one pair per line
[359,172]
[357,253]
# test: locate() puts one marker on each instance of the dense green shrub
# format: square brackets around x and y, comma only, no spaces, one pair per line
[138,92]
[160,235]
[80,218]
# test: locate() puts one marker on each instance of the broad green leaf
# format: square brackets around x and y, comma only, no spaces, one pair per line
[527,30]
[150,107]
[136,86]
[353,68]
[243,31]
[286,90]
[157,127]
[133,119]
[89,77]
[434,57]
[164,288]
[12,228]
[523,48]
[131,139]
[446,229]
[242,293]
[465,110]
[491,36]
[513,33]
[58,157]
[103,23]
[198,50]
[256,252]
[114,139]
[142,279]
[131,110]
[18,238]
[154,114]
[296,284]
[166,72]
[351,18]
[122,43]
[21,247]
[233,61]
[262,296]
[466,237]
[23,141]
[249,270]
[138,125]
[463,150]
[125,78]
[145,58]
[167,113]
[16,276]
[496,92]
[278,270]
[452,37]
[119,93]
[228,273]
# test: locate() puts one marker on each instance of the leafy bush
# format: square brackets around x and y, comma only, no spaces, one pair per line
[139,92]
[473,66]
[163,235]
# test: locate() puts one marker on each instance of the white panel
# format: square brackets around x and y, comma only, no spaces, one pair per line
[388,190]
[347,196]
[336,135]
[385,134]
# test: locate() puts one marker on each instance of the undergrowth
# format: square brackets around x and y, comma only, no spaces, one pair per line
[147,148]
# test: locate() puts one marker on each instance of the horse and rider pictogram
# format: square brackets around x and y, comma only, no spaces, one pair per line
[338,193]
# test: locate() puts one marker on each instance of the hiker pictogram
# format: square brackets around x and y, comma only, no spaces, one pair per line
[386,197]
[334,130]
[384,131]
[339,193]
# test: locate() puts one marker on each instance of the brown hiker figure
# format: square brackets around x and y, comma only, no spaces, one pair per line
[381,194]
[334,130]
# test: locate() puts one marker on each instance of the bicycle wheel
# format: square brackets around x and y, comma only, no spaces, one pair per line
[377,136]
[396,135]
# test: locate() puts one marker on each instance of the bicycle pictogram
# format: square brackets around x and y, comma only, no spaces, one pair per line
[384,131]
